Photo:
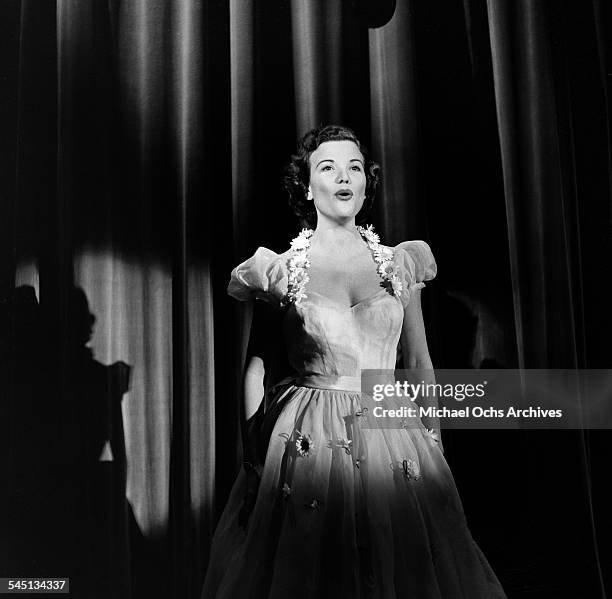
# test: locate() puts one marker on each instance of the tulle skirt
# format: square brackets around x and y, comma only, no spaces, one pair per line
[344,511]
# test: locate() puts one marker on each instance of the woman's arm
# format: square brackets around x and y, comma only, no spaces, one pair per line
[258,358]
[260,353]
[416,354]
[264,354]
[264,362]
[253,389]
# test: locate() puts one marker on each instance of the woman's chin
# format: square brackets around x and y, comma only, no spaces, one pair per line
[342,217]
[344,209]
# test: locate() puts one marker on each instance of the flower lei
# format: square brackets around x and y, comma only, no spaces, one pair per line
[298,265]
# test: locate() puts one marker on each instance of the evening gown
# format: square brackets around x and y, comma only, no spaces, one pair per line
[343,511]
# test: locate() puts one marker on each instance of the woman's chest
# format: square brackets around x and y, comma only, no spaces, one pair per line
[345,281]
[319,323]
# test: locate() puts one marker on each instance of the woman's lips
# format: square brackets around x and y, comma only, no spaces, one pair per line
[344,194]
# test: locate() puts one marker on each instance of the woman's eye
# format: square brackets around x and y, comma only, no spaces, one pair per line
[327,167]
[356,168]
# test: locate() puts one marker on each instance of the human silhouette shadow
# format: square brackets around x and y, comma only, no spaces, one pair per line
[66,446]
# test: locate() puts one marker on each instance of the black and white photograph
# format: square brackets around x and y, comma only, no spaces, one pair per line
[306,299]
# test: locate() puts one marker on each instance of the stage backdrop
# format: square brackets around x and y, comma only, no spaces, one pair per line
[143,147]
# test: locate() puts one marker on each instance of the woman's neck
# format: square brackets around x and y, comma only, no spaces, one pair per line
[335,235]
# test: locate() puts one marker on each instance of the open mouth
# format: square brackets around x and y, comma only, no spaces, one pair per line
[344,194]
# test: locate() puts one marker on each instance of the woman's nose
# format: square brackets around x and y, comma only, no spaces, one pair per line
[343,176]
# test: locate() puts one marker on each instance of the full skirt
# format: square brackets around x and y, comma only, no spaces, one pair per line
[344,511]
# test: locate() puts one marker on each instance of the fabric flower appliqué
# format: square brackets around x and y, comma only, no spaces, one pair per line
[433,435]
[286,491]
[344,444]
[411,470]
[304,444]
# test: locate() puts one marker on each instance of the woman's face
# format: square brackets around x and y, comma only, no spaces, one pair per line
[337,179]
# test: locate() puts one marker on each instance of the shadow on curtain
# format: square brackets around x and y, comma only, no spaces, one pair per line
[144,145]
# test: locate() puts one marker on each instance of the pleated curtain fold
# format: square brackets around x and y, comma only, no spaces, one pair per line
[145,143]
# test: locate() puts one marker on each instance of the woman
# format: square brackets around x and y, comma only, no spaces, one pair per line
[324,506]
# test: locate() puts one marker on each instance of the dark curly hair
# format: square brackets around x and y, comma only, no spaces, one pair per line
[297,172]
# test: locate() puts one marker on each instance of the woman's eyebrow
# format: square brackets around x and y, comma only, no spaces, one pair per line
[324,160]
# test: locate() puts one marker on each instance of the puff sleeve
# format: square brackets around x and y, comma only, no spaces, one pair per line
[416,264]
[263,276]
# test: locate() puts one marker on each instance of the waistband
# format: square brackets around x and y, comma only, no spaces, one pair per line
[340,382]
[328,381]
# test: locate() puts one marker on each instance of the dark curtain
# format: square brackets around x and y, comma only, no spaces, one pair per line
[142,154]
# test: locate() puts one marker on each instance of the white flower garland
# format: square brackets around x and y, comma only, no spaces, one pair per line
[298,265]
[383,256]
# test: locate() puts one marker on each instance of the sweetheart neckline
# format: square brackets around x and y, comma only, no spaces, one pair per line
[360,302]
[345,307]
